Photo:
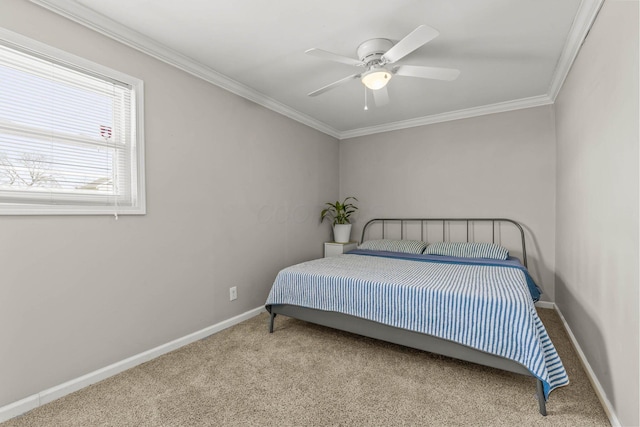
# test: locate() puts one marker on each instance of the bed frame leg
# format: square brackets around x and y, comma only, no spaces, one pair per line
[273,316]
[541,401]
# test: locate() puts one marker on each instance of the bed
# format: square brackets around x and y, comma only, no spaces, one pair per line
[462,295]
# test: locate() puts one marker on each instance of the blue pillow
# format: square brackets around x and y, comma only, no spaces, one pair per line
[406,246]
[468,250]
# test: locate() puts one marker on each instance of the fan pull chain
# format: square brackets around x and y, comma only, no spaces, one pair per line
[366,107]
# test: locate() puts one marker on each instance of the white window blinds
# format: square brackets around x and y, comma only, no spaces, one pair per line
[69,138]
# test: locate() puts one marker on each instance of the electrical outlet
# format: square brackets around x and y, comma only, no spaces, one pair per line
[233,293]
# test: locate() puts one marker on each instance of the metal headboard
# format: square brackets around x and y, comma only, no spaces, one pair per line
[444,221]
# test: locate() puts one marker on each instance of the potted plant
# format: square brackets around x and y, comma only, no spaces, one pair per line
[340,213]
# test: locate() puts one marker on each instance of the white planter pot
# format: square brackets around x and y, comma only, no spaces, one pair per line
[341,233]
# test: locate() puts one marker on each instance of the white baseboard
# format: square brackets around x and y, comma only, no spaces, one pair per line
[545,304]
[20,407]
[602,396]
[31,402]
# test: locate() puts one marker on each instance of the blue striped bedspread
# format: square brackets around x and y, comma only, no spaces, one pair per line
[485,306]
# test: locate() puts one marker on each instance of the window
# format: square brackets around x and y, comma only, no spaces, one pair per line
[70,133]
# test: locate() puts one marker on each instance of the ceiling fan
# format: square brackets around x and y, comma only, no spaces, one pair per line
[377,55]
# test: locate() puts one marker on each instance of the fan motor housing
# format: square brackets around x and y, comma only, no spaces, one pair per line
[372,50]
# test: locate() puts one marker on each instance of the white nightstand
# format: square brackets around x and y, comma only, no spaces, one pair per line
[333,248]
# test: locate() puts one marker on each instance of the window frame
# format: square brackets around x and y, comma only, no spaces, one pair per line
[136,178]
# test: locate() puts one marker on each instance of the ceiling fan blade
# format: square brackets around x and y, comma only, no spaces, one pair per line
[423,72]
[418,37]
[334,84]
[334,57]
[381,97]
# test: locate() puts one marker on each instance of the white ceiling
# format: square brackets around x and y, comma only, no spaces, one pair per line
[511,53]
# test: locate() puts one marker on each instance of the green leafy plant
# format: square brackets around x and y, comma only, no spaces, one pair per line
[339,213]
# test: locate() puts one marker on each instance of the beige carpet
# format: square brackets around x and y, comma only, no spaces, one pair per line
[307,375]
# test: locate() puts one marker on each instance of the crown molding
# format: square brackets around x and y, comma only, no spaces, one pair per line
[584,19]
[76,12]
[103,25]
[501,107]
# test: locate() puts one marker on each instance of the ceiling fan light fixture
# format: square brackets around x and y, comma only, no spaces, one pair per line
[376,78]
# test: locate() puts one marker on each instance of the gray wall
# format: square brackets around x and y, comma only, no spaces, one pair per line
[498,165]
[597,204]
[233,195]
